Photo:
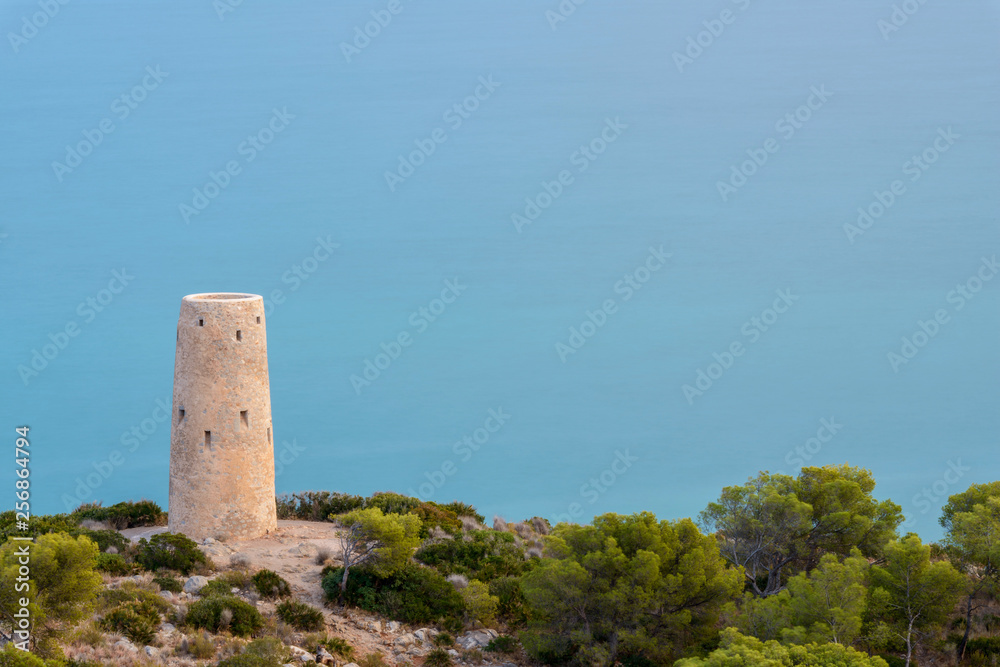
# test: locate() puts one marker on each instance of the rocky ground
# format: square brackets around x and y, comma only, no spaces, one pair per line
[292,551]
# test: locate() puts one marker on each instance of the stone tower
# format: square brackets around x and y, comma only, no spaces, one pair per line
[221,439]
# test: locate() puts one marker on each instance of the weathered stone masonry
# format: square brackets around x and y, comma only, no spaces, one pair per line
[221,437]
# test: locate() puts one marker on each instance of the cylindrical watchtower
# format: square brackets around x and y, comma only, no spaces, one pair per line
[221,442]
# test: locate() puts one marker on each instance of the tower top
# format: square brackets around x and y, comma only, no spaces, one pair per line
[221,296]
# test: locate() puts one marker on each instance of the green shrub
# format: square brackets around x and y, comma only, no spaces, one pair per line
[201,646]
[127,514]
[316,505]
[392,503]
[216,587]
[488,555]
[39,525]
[129,591]
[113,564]
[247,660]
[372,660]
[479,604]
[438,658]
[464,509]
[172,552]
[300,616]
[512,607]
[443,639]
[15,657]
[432,515]
[414,594]
[168,583]
[983,647]
[270,648]
[105,539]
[207,614]
[338,646]
[136,620]
[270,584]
[502,644]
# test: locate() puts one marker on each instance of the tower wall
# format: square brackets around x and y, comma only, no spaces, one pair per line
[221,437]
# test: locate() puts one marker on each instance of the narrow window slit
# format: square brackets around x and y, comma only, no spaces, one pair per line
[245,418]
[208,439]
[239,335]
[201,321]
[269,436]
[258,319]
[180,415]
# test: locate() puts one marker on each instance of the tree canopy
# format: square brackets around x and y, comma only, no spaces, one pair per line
[737,650]
[626,585]
[776,525]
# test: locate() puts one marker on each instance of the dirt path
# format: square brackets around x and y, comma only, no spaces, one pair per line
[290,551]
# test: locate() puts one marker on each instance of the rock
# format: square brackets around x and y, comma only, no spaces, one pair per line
[125,644]
[167,595]
[195,583]
[407,639]
[375,626]
[453,653]
[352,664]
[297,651]
[304,549]
[168,628]
[392,626]
[421,634]
[475,639]
[151,652]
[306,657]
[323,657]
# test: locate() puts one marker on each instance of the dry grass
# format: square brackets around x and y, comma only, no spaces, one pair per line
[323,555]
[468,523]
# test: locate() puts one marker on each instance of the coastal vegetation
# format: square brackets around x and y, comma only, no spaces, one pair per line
[779,570]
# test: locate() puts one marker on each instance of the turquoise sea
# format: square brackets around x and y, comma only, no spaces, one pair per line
[638,250]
